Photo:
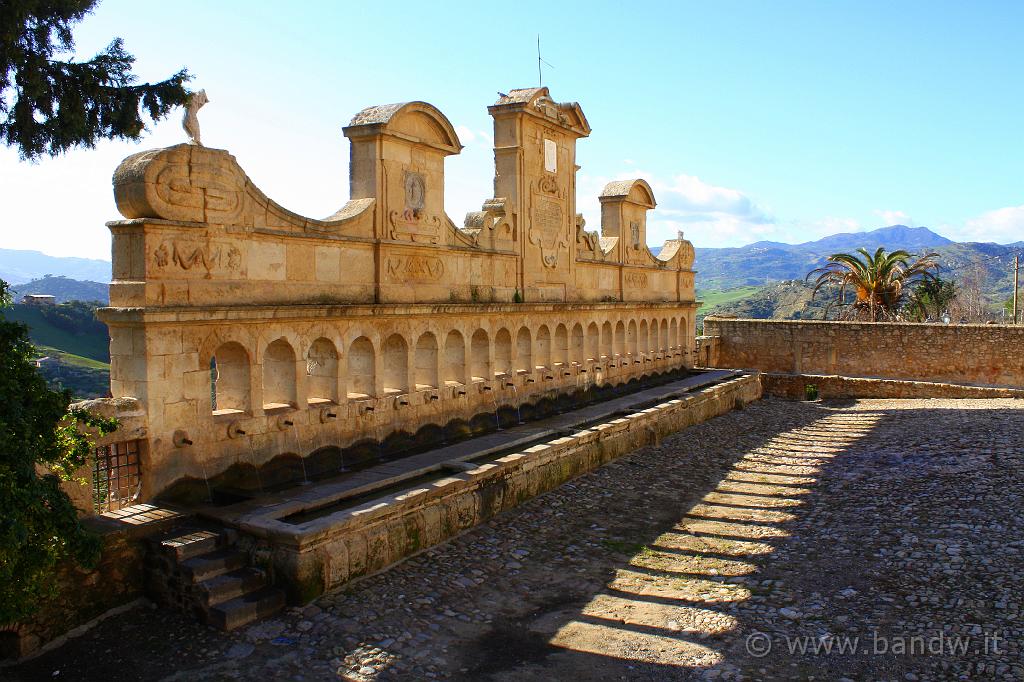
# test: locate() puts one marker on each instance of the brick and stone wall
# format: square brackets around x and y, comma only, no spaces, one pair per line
[82,594]
[961,354]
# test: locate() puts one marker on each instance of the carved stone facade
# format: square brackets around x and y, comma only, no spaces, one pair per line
[246,331]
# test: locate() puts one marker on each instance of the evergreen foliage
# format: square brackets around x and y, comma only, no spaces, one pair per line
[40,445]
[49,105]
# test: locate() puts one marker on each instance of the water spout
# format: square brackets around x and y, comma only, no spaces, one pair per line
[519,411]
[206,478]
[497,419]
[252,458]
[302,460]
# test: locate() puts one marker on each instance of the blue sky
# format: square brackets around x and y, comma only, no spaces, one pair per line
[752,120]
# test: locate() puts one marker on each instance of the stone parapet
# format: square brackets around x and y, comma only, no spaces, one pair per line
[986,355]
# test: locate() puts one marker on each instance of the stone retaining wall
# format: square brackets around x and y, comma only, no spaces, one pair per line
[960,354]
[82,594]
[366,539]
[792,387]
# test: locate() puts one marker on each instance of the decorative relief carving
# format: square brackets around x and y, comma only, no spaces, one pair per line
[551,109]
[415,192]
[587,243]
[410,225]
[187,255]
[205,189]
[419,268]
[635,252]
[161,255]
[548,184]
[190,183]
[637,280]
[547,230]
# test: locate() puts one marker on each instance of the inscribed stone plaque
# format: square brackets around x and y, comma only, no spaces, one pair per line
[550,156]
[549,218]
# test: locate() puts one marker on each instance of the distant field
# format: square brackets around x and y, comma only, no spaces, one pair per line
[42,333]
[714,297]
[74,360]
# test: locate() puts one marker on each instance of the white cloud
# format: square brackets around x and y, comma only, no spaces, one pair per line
[1003,225]
[694,200]
[709,215]
[466,134]
[894,218]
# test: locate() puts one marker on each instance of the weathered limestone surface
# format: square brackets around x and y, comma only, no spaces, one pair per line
[245,331]
[963,353]
[370,537]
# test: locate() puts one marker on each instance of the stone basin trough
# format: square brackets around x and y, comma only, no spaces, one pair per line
[319,537]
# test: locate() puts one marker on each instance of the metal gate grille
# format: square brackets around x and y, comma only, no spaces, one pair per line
[116,476]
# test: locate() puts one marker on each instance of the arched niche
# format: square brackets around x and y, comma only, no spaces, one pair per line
[426,370]
[480,361]
[503,352]
[322,372]
[454,365]
[395,356]
[524,350]
[362,369]
[229,375]
[278,375]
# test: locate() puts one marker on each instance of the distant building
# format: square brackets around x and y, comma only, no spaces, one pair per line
[39,299]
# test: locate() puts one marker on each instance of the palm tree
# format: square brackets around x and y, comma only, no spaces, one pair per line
[883,282]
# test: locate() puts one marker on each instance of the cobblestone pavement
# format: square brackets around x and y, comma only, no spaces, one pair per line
[879,539]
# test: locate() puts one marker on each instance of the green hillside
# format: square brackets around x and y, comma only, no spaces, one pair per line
[69,328]
[713,298]
[84,377]
[64,289]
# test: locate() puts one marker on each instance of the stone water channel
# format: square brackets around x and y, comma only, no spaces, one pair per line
[320,536]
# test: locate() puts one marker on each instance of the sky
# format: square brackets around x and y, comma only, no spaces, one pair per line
[784,120]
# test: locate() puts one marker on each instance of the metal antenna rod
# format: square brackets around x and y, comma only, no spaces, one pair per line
[540,75]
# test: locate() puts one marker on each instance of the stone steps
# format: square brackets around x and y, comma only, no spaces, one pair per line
[200,570]
[193,542]
[227,586]
[246,608]
[212,564]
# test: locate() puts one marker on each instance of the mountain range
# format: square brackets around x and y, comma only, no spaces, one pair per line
[17,266]
[64,289]
[764,262]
